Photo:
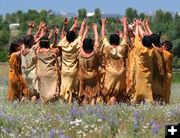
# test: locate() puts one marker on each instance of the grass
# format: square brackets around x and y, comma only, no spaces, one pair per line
[176,77]
[62,120]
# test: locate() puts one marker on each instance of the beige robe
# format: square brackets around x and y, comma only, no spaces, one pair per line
[114,83]
[168,60]
[48,75]
[69,68]
[28,67]
[144,72]
[88,76]
[131,67]
[158,73]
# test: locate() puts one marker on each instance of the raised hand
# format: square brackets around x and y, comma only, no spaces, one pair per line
[94,26]
[56,30]
[87,27]
[65,21]
[84,22]
[103,21]
[31,25]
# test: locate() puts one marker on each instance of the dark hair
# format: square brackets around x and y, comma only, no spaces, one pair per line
[88,44]
[167,44]
[21,40]
[147,41]
[70,36]
[29,41]
[13,47]
[114,39]
[156,39]
[44,42]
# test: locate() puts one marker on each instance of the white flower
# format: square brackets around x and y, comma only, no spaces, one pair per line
[79,132]
[78,120]
[72,122]
[86,126]
[99,120]
[77,124]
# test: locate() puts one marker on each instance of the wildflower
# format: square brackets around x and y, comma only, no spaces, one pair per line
[99,120]
[136,119]
[155,127]
[52,133]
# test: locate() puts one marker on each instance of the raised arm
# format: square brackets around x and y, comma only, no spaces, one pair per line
[148,27]
[141,31]
[96,44]
[63,28]
[103,22]
[82,27]
[42,33]
[85,32]
[56,31]
[125,29]
[30,27]
[144,27]
[137,28]
[74,24]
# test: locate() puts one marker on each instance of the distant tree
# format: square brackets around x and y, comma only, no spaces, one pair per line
[82,13]
[4,34]
[97,13]
[131,14]
[43,16]
[176,49]
[167,17]
[159,16]
[176,17]
[142,16]
[11,18]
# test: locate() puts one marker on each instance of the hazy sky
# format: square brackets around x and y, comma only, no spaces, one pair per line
[108,6]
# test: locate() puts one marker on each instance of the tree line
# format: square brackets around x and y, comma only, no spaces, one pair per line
[161,21]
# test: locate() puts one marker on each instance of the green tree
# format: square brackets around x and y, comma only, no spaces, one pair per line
[159,16]
[167,17]
[131,14]
[97,13]
[82,13]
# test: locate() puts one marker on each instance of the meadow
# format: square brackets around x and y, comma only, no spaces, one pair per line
[62,120]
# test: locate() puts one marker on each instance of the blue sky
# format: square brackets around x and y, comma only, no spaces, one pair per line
[108,6]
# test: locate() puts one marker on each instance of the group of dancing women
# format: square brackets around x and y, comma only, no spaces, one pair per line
[130,66]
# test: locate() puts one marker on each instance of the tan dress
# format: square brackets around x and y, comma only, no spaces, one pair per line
[69,68]
[131,67]
[28,67]
[47,74]
[158,73]
[16,85]
[114,84]
[88,76]
[168,61]
[144,71]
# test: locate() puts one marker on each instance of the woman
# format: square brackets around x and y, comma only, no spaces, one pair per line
[48,71]
[28,66]
[88,68]
[17,88]
[114,85]
[168,61]
[69,70]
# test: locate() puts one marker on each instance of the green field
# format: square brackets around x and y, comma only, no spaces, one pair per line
[60,120]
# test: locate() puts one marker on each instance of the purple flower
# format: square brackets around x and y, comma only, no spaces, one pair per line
[58,117]
[155,127]
[52,133]
[61,135]
[136,119]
